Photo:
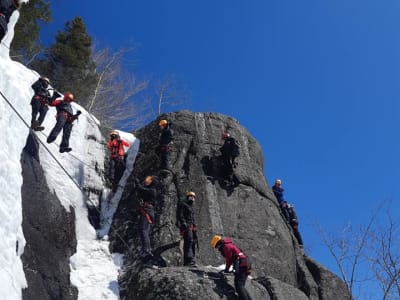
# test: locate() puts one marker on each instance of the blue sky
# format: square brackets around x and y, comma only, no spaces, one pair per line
[315,82]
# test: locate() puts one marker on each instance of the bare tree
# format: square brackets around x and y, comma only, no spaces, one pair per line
[367,255]
[171,92]
[116,98]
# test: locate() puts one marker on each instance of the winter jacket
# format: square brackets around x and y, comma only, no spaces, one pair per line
[117,147]
[166,136]
[228,148]
[185,215]
[278,191]
[7,7]
[231,252]
[64,109]
[41,92]
[147,194]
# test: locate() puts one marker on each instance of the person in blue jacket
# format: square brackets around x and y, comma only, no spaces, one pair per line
[278,192]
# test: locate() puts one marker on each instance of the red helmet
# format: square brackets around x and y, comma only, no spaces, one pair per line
[69,97]
[226,135]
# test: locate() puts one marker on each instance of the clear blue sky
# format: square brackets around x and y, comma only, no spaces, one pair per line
[315,82]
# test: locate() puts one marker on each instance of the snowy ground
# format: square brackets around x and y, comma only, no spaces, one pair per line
[93,269]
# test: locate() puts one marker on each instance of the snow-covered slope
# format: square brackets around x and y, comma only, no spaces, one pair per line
[94,270]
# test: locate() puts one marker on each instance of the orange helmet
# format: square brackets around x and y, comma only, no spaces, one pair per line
[148,180]
[188,194]
[69,97]
[215,240]
[162,123]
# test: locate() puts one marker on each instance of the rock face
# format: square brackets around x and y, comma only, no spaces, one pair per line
[248,213]
[49,231]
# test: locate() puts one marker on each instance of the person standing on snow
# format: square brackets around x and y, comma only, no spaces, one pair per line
[65,118]
[39,102]
[234,256]
[7,7]
[116,165]
[187,226]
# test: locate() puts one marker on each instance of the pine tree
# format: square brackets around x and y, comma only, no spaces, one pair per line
[26,44]
[68,62]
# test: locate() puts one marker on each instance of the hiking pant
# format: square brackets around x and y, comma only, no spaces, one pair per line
[66,126]
[296,232]
[165,159]
[188,247]
[240,281]
[38,108]
[144,228]
[116,167]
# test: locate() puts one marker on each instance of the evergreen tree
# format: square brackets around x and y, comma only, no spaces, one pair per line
[68,62]
[26,44]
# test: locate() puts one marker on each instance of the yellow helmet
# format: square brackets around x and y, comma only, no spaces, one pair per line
[148,180]
[162,123]
[190,194]
[215,240]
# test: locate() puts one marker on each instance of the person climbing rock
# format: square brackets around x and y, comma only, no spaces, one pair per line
[187,226]
[7,7]
[147,194]
[39,102]
[294,223]
[229,150]
[165,145]
[116,164]
[65,117]
[236,257]
[278,192]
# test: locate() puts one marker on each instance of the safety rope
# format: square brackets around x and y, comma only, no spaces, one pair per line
[66,172]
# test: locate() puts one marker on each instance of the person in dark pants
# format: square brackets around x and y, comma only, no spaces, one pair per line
[278,192]
[116,165]
[7,7]
[229,150]
[165,144]
[294,223]
[65,118]
[147,194]
[39,102]
[187,226]
[236,257]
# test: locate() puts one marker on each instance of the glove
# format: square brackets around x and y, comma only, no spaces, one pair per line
[78,112]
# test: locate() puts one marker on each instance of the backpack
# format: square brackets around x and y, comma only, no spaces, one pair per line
[235,149]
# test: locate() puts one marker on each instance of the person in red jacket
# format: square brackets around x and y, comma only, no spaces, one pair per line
[65,118]
[234,256]
[116,165]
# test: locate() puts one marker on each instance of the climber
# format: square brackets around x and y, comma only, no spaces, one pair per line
[187,226]
[39,102]
[7,7]
[165,146]
[294,223]
[278,192]
[65,118]
[234,256]
[116,165]
[147,194]
[229,150]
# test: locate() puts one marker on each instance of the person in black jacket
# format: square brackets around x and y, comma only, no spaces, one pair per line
[147,194]
[65,118]
[229,150]
[294,223]
[187,226]
[165,144]
[7,7]
[39,102]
